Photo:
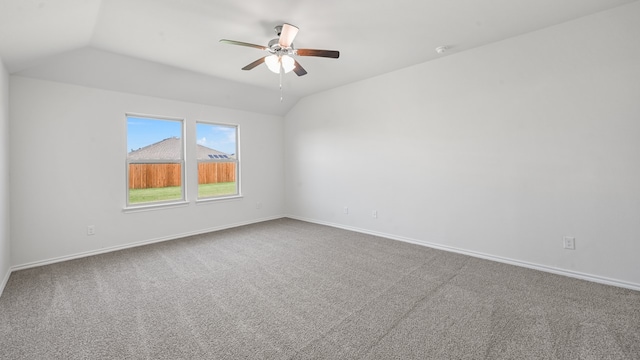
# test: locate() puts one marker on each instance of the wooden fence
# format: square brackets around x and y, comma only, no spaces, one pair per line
[211,173]
[143,176]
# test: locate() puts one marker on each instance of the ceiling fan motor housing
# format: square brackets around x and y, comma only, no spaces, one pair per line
[275,48]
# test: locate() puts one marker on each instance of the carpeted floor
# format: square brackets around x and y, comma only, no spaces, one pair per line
[287,289]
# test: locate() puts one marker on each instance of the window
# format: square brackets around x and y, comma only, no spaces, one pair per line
[217,152]
[155,160]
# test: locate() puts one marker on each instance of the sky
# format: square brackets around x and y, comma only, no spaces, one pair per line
[218,137]
[142,132]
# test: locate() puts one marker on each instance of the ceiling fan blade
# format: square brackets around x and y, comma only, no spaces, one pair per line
[233,42]
[254,64]
[321,53]
[287,35]
[299,70]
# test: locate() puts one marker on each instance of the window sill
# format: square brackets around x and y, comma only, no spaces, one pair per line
[151,207]
[218,199]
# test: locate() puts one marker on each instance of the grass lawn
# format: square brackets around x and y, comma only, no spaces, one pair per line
[137,196]
[217,189]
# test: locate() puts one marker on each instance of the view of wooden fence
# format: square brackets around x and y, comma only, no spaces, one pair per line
[143,176]
[211,173]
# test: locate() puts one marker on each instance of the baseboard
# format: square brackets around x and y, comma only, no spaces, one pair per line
[549,269]
[545,268]
[5,280]
[136,244]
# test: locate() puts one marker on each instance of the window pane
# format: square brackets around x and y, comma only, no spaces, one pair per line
[154,160]
[217,160]
[164,135]
[154,182]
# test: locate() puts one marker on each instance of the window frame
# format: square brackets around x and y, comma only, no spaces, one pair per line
[181,162]
[236,160]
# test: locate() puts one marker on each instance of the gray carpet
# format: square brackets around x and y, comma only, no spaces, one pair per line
[287,289]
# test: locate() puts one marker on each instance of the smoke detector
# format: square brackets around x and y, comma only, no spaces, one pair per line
[441,49]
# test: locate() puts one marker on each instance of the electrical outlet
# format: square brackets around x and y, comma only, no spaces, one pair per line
[345,210]
[374,214]
[569,243]
[258,205]
[91,230]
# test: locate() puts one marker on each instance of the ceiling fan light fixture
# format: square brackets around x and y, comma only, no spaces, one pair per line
[273,62]
[287,63]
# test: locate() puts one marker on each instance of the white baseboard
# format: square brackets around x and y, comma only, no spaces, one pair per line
[549,269]
[135,244]
[545,268]
[5,280]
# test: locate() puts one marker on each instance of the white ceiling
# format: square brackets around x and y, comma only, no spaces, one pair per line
[170,48]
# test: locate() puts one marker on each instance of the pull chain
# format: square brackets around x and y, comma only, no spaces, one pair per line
[281,71]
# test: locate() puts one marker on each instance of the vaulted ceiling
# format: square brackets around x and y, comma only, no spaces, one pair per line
[171,48]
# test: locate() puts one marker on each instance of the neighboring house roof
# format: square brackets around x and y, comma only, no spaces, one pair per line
[169,149]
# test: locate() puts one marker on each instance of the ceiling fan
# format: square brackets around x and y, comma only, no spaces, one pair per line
[281,50]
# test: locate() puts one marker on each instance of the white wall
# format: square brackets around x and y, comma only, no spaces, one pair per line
[501,150]
[5,248]
[68,171]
